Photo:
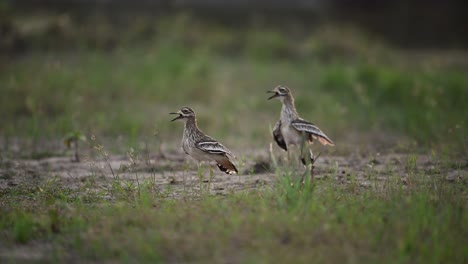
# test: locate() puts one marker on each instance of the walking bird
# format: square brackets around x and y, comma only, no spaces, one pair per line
[202,147]
[291,129]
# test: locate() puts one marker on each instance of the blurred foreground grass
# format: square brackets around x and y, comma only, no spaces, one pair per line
[344,81]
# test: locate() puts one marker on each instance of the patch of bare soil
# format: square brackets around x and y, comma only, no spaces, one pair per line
[33,252]
[177,174]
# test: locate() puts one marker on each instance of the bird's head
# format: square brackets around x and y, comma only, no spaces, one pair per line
[183,113]
[280,92]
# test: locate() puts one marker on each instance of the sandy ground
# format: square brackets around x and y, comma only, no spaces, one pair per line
[175,173]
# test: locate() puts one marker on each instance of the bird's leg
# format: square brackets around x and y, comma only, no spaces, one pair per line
[312,161]
[310,157]
[192,178]
[200,173]
[303,158]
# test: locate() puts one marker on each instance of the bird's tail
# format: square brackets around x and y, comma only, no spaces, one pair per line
[226,166]
[323,139]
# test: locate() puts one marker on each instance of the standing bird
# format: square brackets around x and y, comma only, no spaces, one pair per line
[202,147]
[292,129]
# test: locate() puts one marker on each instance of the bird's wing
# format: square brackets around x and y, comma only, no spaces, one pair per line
[278,137]
[305,126]
[213,147]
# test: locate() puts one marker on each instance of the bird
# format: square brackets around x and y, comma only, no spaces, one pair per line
[201,147]
[291,129]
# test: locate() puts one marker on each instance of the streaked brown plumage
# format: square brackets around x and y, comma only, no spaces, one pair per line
[202,147]
[291,129]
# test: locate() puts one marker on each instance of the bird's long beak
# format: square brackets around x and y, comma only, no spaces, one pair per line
[275,94]
[178,117]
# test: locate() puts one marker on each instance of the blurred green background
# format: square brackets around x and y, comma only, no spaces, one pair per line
[386,80]
[116,70]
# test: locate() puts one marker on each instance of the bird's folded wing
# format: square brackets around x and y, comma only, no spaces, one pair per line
[213,147]
[278,136]
[305,126]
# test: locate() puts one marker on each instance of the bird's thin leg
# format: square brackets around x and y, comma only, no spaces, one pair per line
[311,155]
[312,165]
[200,174]
[303,158]
[192,178]
[303,162]
[211,179]
[312,161]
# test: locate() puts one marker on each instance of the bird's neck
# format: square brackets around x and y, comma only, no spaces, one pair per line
[191,124]
[191,127]
[288,111]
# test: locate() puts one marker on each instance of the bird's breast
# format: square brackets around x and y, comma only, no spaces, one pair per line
[291,136]
[186,144]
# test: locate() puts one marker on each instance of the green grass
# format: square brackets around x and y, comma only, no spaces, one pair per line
[343,81]
[422,222]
